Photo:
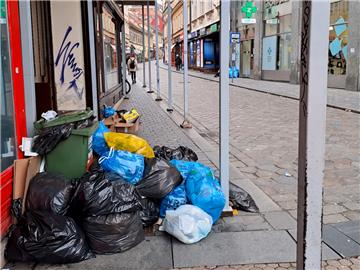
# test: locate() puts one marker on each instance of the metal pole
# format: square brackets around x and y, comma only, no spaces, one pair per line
[224,99]
[149,46]
[123,58]
[186,123]
[143,44]
[158,97]
[170,108]
[28,65]
[312,123]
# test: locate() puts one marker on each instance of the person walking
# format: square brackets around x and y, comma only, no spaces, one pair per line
[178,62]
[132,67]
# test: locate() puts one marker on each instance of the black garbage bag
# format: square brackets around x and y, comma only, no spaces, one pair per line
[50,192]
[49,138]
[96,195]
[16,208]
[160,178]
[150,212]
[48,238]
[180,153]
[113,233]
[241,200]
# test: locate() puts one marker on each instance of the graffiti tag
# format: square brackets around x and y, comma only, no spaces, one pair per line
[68,60]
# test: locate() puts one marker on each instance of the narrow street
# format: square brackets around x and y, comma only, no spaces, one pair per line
[263,141]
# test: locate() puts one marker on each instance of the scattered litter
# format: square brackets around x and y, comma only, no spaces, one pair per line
[160,178]
[188,223]
[241,200]
[49,192]
[48,238]
[180,153]
[129,142]
[129,166]
[49,115]
[26,147]
[287,174]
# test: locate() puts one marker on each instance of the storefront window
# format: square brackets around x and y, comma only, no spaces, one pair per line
[277,43]
[338,37]
[7,139]
[110,51]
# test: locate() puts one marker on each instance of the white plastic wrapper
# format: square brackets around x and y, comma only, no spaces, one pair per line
[189,224]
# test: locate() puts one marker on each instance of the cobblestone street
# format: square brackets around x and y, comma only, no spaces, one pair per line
[263,141]
[344,264]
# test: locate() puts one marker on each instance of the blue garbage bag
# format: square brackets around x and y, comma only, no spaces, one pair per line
[128,165]
[173,200]
[201,186]
[203,190]
[230,73]
[108,111]
[99,144]
[184,167]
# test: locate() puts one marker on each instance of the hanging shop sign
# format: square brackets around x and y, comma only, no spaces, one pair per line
[2,12]
[269,53]
[213,28]
[249,10]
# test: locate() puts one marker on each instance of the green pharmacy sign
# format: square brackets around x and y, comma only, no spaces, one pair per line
[249,9]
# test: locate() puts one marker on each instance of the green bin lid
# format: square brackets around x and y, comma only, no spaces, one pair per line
[65,118]
[86,132]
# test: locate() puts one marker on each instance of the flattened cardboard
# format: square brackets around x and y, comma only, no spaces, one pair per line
[33,169]
[20,172]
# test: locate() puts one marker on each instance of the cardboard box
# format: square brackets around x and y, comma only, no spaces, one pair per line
[24,170]
[115,125]
[132,128]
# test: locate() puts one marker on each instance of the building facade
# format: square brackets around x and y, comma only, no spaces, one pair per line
[269,48]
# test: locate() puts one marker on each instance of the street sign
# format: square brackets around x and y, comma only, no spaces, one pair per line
[248,20]
[249,9]
[234,37]
[2,12]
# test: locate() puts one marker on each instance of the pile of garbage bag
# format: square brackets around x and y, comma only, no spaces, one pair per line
[106,210]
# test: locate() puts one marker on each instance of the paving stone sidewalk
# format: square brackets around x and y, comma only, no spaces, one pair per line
[343,264]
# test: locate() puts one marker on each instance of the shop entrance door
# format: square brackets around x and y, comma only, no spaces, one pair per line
[245,58]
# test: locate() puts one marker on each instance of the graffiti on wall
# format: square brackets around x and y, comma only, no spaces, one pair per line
[66,59]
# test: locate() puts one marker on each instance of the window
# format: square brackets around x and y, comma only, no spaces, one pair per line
[111,69]
[7,148]
[338,37]
[279,27]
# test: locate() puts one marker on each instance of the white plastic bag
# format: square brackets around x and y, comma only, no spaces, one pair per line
[188,223]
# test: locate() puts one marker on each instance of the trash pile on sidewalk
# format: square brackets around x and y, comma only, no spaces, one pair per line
[129,186]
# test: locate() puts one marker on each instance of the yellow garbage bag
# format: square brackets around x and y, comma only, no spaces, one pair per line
[129,142]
